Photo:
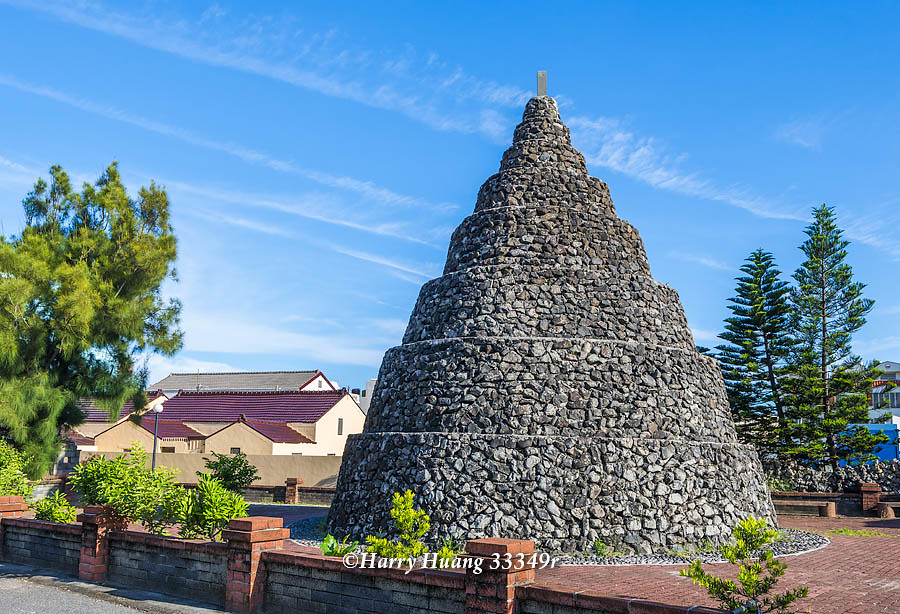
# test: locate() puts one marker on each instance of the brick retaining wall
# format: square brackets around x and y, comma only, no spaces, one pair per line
[306,583]
[183,567]
[42,544]
[251,573]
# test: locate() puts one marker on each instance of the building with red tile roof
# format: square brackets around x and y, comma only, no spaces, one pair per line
[269,422]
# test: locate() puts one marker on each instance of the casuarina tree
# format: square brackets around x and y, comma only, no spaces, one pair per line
[828,386]
[754,359]
[80,301]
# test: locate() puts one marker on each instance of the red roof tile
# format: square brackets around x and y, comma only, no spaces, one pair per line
[278,432]
[77,438]
[273,406]
[170,428]
[95,413]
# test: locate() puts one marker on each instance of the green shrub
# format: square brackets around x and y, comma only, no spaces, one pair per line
[234,471]
[410,524]
[130,488]
[13,479]
[207,509]
[332,547]
[601,549]
[449,550]
[55,508]
[756,577]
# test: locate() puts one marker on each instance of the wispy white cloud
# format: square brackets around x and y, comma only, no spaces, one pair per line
[253,225]
[280,49]
[366,189]
[606,142]
[702,336]
[393,326]
[232,334]
[706,261]
[376,259]
[160,366]
[805,132]
[313,206]
[881,348]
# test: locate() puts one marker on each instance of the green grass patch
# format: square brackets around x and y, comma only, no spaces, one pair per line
[860,533]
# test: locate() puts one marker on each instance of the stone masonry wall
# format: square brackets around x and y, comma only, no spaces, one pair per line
[547,386]
[845,479]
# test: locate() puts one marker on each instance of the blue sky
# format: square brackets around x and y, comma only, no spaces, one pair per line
[317,156]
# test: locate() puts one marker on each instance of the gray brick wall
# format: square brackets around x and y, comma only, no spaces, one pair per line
[40,547]
[188,572]
[291,589]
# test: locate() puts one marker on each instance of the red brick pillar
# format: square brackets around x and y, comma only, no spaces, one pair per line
[870,493]
[97,521]
[290,489]
[247,539]
[12,506]
[494,591]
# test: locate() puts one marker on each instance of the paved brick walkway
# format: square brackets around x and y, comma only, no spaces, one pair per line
[853,575]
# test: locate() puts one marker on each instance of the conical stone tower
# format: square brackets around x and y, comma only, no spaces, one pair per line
[547,387]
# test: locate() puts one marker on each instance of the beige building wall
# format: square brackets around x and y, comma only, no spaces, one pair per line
[121,436]
[238,435]
[313,470]
[325,435]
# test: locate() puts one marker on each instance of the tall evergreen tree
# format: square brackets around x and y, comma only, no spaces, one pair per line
[80,298]
[828,385]
[754,358]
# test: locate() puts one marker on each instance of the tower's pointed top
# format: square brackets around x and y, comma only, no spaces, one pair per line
[542,83]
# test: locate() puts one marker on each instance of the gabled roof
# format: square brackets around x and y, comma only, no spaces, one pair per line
[170,428]
[95,413]
[278,432]
[237,381]
[77,438]
[264,406]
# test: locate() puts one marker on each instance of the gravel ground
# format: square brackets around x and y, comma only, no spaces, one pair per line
[309,532]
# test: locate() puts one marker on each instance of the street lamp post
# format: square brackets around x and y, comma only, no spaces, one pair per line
[157,409]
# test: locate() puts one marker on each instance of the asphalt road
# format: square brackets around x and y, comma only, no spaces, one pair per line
[25,590]
[18,596]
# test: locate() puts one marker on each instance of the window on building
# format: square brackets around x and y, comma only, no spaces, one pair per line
[363,392]
[321,383]
[235,450]
[340,426]
[167,449]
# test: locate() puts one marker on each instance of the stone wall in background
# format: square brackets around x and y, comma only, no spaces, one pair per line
[792,476]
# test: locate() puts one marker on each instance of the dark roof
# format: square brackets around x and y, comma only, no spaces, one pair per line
[265,406]
[278,432]
[247,380]
[77,438]
[170,428]
[94,413]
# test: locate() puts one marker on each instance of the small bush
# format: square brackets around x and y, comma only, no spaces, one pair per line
[130,488]
[411,524]
[332,547]
[55,508]
[234,471]
[756,577]
[13,479]
[449,550]
[207,509]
